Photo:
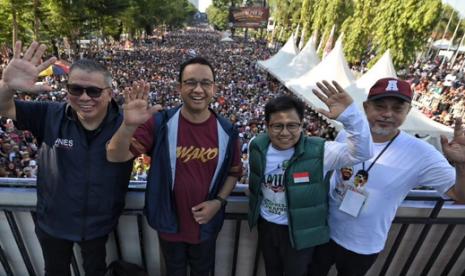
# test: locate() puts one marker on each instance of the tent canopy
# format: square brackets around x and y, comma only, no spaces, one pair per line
[333,67]
[282,57]
[288,70]
[299,65]
[226,39]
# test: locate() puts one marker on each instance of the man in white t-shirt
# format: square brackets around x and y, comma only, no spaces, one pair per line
[361,212]
[288,194]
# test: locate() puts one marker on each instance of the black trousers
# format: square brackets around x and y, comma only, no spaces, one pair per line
[348,263]
[58,252]
[178,256]
[279,256]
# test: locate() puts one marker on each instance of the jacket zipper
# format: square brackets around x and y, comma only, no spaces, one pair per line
[86,198]
[289,220]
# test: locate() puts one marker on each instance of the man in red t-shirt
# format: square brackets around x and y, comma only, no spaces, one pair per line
[195,162]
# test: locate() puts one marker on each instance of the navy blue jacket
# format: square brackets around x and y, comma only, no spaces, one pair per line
[80,195]
[159,198]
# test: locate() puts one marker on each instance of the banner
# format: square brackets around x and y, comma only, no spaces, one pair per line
[249,17]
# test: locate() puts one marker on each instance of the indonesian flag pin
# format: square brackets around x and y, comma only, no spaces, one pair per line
[301,177]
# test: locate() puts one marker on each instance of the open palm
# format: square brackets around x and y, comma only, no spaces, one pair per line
[455,149]
[335,98]
[136,107]
[21,73]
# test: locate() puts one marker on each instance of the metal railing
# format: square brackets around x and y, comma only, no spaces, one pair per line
[427,238]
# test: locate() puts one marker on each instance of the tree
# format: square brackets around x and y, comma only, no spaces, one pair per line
[16,14]
[404,27]
[217,17]
[305,20]
[218,13]
[357,30]
[448,15]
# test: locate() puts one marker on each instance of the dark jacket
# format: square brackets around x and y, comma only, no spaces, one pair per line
[80,195]
[159,199]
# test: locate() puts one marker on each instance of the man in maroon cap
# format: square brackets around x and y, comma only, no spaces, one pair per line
[360,217]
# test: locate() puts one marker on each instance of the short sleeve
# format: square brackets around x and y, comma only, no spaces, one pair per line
[142,140]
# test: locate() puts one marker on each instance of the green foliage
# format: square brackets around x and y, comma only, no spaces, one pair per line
[16,17]
[319,16]
[447,12]
[225,4]
[218,17]
[287,15]
[306,16]
[369,26]
[404,26]
[357,30]
[74,19]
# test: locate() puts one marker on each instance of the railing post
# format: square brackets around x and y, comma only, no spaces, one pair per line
[20,242]
[434,214]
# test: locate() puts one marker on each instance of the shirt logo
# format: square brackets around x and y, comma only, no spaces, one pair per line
[193,153]
[64,143]
[392,86]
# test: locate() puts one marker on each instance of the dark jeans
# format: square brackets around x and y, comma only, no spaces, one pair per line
[179,255]
[280,258]
[57,255]
[348,263]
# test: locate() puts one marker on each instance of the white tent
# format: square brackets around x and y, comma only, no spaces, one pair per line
[283,57]
[226,39]
[333,67]
[299,65]
[384,68]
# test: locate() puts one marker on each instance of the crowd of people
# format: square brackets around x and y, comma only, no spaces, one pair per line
[197,149]
[439,90]
[243,88]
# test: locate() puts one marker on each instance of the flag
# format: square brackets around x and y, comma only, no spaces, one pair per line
[301,177]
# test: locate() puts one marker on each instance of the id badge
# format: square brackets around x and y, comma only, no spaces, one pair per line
[353,201]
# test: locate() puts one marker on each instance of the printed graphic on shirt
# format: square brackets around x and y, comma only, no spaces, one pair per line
[274,200]
[360,179]
[202,154]
[343,180]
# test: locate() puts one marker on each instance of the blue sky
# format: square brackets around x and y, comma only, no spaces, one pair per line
[459,5]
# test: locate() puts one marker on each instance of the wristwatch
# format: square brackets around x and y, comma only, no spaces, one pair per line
[222,201]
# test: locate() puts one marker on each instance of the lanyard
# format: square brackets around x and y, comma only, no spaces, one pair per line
[381,153]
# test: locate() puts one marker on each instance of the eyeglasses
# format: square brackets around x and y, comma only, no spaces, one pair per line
[91,91]
[191,83]
[291,127]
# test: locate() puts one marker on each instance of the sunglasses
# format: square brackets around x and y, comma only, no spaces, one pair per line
[91,91]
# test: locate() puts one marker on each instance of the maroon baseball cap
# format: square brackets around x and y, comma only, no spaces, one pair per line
[391,87]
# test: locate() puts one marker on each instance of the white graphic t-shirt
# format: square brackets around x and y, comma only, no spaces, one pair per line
[356,148]
[273,207]
[406,163]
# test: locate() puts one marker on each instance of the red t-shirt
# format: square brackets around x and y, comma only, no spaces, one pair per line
[197,157]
